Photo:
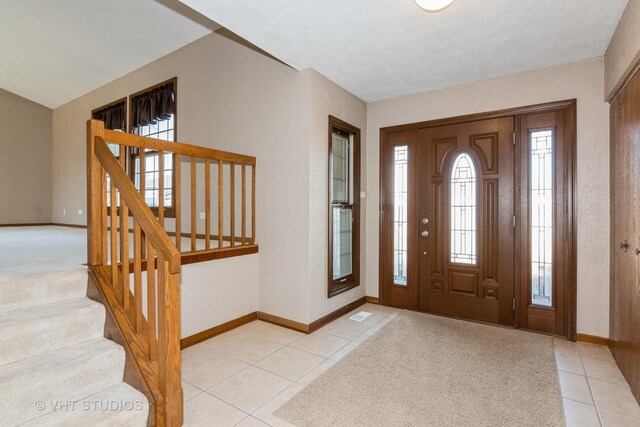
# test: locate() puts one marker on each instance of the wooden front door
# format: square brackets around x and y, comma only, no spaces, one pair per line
[466,231]
[477,217]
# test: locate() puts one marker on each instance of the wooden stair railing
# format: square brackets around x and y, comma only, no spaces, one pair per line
[147,312]
[213,214]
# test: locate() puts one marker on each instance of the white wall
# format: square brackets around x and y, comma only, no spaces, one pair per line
[584,81]
[229,98]
[215,292]
[25,160]
[623,52]
[235,99]
[327,98]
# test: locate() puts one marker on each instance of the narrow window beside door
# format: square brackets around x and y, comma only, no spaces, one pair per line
[344,192]
[463,210]
[400,177]
[342,212]
[541,184]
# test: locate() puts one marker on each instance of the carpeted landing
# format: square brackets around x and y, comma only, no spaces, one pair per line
[424,370]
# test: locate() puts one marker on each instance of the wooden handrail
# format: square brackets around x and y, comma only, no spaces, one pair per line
[137,205]
[151,333]
[132,140]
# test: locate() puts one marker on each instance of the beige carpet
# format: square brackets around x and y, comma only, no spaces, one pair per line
[34,250]
[423,370]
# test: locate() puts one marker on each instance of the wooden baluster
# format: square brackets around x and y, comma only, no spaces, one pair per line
[220,204]
[193,204]
[103,219]
[124,252]
[114,241]
[253,205]
[124,234]
[137,277]
[232,203]
[244,204]
[207,204]
[169,341]
[151,302]
[161,188]
[143,185]
[177,194]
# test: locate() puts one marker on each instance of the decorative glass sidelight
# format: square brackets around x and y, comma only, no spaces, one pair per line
[400,210]
[541,184]
[463,210]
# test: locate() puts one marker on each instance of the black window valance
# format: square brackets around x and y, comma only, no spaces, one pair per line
[114,116]
[156,104]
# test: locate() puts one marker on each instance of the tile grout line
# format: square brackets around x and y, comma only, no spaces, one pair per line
[593,396]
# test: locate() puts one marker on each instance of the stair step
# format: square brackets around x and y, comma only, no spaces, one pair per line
[65,375]
[120,405]
[31,291]
[39,330]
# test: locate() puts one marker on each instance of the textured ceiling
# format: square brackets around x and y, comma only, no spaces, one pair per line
[53,51]
[379,49]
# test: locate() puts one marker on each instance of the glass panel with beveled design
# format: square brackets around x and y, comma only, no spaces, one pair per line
[541,185]
[400,210]
[463,210]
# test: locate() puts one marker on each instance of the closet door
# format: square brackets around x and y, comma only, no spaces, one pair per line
[634,230]
[625,240]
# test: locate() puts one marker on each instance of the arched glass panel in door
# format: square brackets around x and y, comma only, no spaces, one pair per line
[463,209]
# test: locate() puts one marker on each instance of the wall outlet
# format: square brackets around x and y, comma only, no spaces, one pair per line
[64,212]
[79,211]
[202,215]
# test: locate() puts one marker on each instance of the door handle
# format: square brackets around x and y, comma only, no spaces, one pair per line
[624,246]
[637,252]
[425,233]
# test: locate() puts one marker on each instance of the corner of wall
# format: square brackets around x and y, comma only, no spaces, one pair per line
[623,52]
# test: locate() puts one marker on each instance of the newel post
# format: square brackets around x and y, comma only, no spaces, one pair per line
[94,194]
[169,363]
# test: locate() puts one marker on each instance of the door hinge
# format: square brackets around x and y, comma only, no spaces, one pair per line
[514,304]
[514,221]
[514,138]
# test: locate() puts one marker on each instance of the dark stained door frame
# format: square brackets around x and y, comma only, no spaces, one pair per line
[408,297]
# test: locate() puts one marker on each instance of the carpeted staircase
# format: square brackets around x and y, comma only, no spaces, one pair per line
[56,367]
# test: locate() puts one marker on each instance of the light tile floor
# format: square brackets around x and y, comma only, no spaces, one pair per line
[241,377]
[593,389]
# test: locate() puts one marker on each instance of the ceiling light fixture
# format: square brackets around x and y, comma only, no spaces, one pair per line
[433,5]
